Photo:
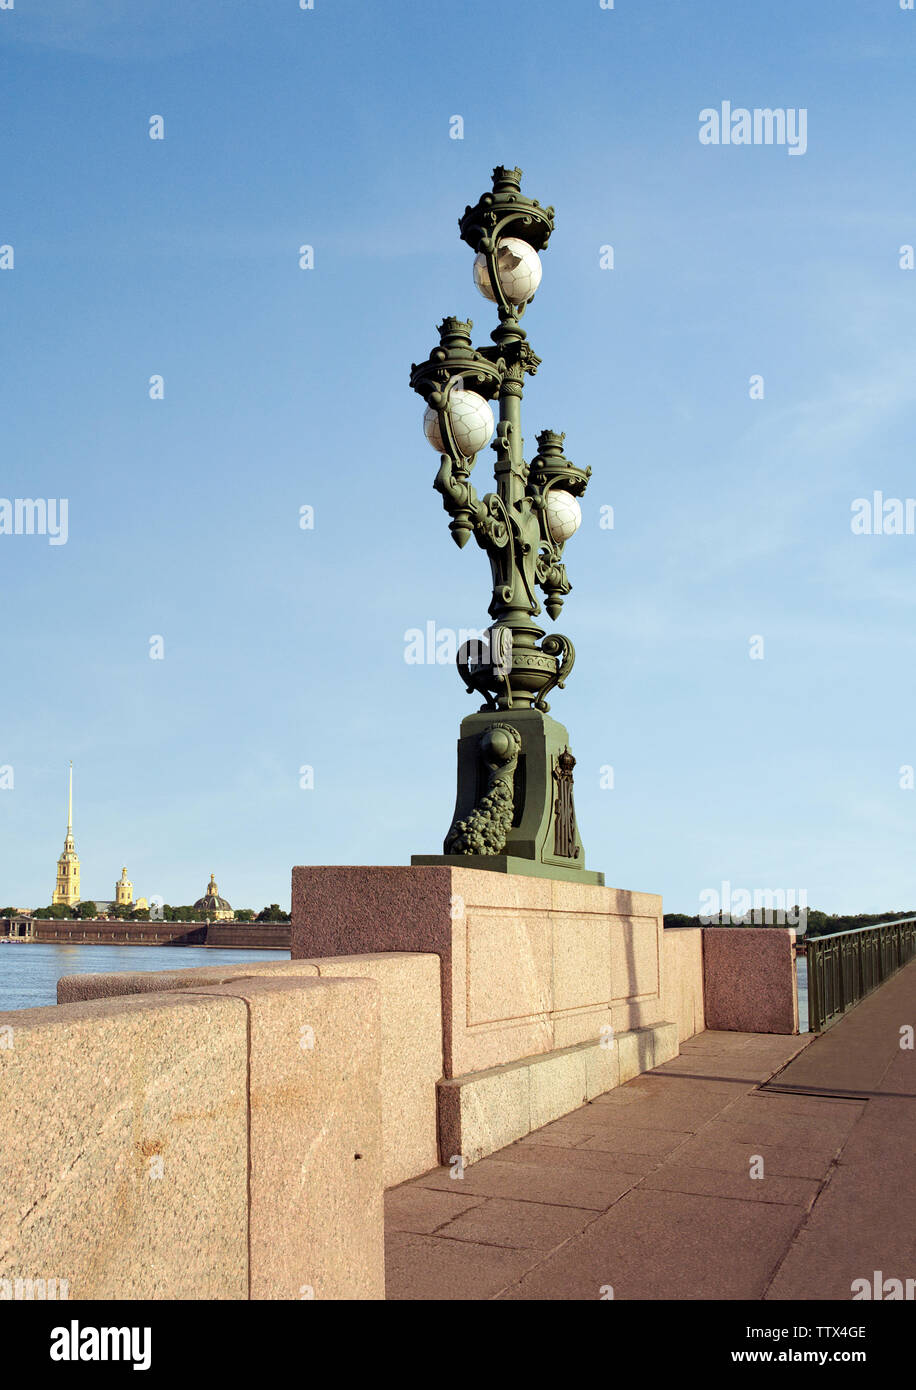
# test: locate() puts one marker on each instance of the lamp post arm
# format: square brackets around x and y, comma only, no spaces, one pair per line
[485,517]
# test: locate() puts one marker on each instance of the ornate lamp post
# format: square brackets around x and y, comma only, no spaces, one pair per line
[514,810]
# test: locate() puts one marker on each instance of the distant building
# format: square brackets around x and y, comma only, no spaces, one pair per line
[212,907]
[124,895]
[67,890]
[105,907]
[124,890]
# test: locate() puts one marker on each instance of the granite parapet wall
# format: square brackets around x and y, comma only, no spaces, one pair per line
[227,1132]
[528,965]
[218,1142]
[410,1045]
[682,980]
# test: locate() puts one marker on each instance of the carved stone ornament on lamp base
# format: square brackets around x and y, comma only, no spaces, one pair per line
[515,810]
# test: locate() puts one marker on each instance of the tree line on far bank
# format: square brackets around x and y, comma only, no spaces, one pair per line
[122,913]
[817,923]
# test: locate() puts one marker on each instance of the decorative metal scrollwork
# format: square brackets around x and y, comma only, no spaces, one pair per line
[559,646]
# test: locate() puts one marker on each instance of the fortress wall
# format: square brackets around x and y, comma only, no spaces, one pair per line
[107,932]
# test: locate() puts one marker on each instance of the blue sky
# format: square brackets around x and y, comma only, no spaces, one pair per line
[286,388]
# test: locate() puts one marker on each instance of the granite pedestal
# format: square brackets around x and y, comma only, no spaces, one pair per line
[551,989]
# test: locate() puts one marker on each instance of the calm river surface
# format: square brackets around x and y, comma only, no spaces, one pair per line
[801,963]
[29,973]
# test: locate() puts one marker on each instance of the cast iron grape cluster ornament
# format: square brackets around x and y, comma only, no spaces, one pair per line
[514,810]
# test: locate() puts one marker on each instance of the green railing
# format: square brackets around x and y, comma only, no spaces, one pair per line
[847,965]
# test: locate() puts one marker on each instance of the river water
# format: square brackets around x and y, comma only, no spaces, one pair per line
[801,964]
[29,972]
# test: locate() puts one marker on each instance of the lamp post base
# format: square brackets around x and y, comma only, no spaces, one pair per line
[508,864]
[514,811]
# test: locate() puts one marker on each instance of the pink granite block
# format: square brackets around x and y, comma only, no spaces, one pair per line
[344,910]
[682,980]
[411,1042]
[749,979]
[410,1053]
[124,1166]
[73,989]
[528,965]
[316,1224]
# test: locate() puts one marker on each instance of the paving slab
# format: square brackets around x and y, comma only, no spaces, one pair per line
[656,1143]
[671,1103]
[882,1147]
[757,1123]
[818,1112]
[426,1268]
[716,1148]
[421,1210]
[578,1159]
[661,1245]
[621,1159]
[559,1133]
[854,1230]
[713,1182]
[900,1077]
[536,1181]
[856,1053]
[716,1040]
[518,1225]
[745,1066]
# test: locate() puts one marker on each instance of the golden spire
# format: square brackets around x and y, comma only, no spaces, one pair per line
[67,888]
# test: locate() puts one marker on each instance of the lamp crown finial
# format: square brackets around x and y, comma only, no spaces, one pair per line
[506,180]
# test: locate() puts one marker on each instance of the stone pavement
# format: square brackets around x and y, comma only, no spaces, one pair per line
[648,1189]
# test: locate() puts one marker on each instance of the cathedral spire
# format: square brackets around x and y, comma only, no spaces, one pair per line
[67,883]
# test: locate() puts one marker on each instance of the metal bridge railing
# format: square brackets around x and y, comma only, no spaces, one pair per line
[845,966]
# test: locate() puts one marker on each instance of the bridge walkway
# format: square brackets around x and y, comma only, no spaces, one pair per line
[651,1191]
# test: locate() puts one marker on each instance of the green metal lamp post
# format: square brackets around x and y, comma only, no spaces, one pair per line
[514,810]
